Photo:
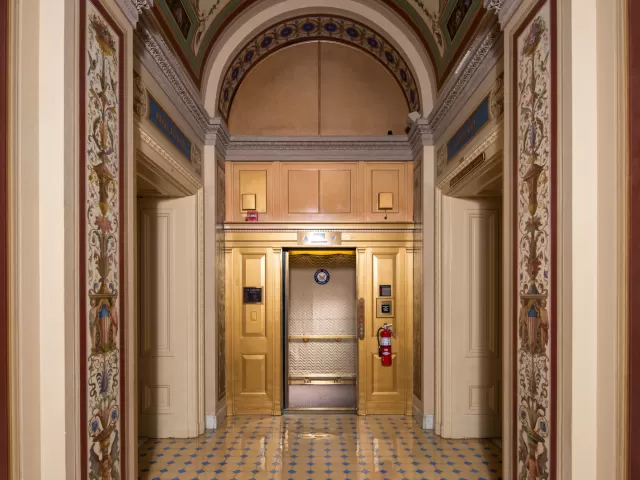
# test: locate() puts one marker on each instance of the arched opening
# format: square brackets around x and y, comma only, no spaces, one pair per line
[318,88]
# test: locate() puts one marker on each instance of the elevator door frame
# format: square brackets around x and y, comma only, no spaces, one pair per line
[285,334]
[255,376]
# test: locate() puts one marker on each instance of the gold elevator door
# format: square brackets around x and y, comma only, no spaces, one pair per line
[321,348]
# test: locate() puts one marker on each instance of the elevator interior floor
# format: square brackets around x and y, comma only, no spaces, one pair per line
[320,447]
[322,396]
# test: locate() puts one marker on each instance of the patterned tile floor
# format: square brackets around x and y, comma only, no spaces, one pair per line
[319,447]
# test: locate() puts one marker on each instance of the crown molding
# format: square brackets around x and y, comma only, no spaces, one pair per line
[133,8]
[386,148]
[158,58]
[483,54]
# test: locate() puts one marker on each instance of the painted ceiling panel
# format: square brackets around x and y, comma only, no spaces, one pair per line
[193,26]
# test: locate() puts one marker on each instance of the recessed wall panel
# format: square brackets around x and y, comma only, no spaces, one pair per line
[254,369]
[335,191]
[385,379]
[303,191]
[155,290]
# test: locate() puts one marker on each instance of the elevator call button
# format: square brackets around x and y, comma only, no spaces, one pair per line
[385,290]
[384,307]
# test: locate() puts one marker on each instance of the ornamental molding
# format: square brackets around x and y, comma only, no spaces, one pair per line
[140,101]
[396,148]
[167,70]
[311,28]
[133,8]
[420,135]
[156,147]
[490,140]
[484,53]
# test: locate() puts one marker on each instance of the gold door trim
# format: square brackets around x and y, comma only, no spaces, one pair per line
[393,243]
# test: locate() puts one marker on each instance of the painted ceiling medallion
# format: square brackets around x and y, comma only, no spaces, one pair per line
[321,277]
[312,28]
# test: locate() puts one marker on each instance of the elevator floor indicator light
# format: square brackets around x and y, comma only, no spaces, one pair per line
[385,290]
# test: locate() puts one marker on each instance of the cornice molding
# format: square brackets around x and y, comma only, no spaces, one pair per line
[153,47]
[420,135]
[490,140]
[146,138]
[483,55]
[133,8]
[392,148]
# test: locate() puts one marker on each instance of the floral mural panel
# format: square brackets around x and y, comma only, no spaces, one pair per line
[101,244]
[535,302]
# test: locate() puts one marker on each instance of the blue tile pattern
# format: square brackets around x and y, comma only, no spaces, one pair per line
[320,447]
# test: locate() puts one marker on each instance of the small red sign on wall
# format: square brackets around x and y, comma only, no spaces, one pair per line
[252,216]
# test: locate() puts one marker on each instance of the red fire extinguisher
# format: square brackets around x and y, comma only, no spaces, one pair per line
[384,344]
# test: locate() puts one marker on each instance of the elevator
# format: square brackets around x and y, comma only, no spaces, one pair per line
[320,330]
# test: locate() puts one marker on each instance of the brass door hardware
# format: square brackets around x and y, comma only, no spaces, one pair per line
[361,319]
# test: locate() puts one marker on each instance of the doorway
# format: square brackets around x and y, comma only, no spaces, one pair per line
[320,351]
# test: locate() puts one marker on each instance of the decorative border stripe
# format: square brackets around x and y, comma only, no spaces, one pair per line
[535,273]
[102,235]
[314,28]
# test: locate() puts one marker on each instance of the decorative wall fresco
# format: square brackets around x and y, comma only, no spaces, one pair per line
[535,237]
[194,26]
[457,16]
[308,28]
[220,278]
[180,16]
[102,244]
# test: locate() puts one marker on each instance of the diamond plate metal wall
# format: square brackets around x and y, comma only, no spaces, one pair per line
[325,310]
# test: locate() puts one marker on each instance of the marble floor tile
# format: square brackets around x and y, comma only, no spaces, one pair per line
[301,447]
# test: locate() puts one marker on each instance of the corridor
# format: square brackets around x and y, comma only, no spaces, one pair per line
[319,447]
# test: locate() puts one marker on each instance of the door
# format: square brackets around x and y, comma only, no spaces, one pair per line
[167,368]
[471,318]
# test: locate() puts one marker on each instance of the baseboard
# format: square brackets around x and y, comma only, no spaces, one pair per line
[210,422]
[213,422]
[425,421]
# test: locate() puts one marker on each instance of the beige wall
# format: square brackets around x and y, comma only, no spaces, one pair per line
[318,88]
[308,192]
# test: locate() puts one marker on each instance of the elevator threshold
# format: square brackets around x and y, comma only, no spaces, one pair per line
[319,410]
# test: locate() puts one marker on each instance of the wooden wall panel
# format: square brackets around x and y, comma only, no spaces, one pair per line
[305,192]
[250,178]
[318,192]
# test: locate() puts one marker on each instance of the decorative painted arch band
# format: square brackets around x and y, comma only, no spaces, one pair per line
[312,28]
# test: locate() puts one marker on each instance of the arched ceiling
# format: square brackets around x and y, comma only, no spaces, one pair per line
[193,27]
